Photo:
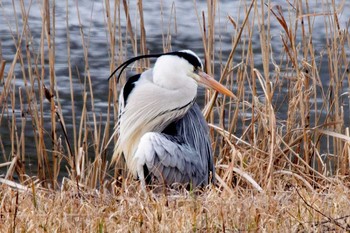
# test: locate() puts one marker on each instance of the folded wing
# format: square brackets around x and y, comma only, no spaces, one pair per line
[180,154]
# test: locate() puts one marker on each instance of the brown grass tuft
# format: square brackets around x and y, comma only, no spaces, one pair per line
[282,146]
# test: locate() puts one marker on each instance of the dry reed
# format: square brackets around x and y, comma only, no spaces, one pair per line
[276,172]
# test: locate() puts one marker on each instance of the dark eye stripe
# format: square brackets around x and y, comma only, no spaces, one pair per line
[193,60]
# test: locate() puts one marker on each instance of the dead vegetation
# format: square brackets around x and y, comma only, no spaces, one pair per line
[282,146]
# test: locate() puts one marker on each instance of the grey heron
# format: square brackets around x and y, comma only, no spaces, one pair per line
[161,130]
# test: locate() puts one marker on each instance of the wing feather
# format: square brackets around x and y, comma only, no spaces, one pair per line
[184,157]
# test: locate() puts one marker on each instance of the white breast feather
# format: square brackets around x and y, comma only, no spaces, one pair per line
[148,110]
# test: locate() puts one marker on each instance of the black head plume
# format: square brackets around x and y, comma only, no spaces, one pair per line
[123,66]
[192,59]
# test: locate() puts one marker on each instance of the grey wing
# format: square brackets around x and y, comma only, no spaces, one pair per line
[180,155]
[169,160]
[195,132]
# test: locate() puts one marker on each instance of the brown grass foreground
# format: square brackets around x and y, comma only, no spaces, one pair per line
[294,210]
[282,146]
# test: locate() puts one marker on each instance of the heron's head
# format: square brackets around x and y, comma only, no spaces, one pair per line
[176,69]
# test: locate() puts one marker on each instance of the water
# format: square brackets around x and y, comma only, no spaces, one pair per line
[185,35]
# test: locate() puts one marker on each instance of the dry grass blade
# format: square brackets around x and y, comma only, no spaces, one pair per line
[223,184]
[208,108]
[271,123]
[281,146]
[307,184]
[331,220]
[11,169]
[245,175]
[334,134]
[279,16]
[14,185]
[2,69]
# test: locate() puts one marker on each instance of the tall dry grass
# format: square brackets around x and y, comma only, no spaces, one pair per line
[277,171]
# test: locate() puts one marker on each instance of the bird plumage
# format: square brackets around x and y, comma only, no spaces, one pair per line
[183,156]
[161,130]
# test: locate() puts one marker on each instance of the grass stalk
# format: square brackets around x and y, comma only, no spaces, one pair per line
[282,146]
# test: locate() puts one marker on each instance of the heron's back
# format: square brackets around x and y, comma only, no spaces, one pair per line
[192,131]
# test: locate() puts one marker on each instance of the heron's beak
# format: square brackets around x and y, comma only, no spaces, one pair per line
[210,82]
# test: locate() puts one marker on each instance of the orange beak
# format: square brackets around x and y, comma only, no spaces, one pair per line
[210,82]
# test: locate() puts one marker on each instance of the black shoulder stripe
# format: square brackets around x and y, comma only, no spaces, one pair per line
[170,129]
[129,86]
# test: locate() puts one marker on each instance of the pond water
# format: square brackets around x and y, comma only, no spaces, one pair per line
[159,19]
